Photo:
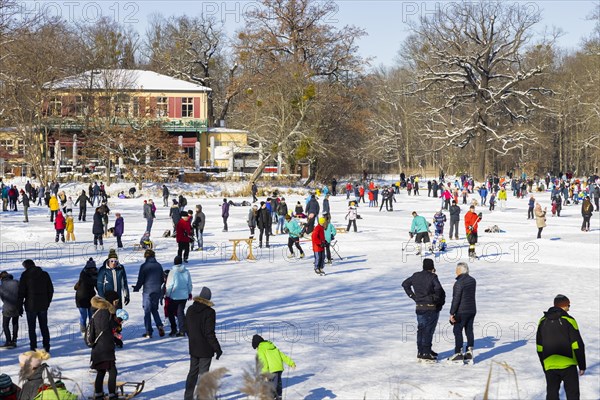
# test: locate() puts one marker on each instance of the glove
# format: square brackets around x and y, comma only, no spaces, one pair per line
[480,215]
[411,234]
[189,296]
[134,289]
[126,300]
[470,228]
[219,353]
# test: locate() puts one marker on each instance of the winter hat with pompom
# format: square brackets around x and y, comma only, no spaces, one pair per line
[90,263]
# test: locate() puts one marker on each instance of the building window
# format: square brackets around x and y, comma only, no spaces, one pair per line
[8,145]
[55,107]
[20,147]
[162,107]
[187,107]
[135,111]
[122,104]
[80,106]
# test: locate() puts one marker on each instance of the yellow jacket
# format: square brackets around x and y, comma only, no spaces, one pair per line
[70,226]
[53,203]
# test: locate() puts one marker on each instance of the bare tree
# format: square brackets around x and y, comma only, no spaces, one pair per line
[289,58]
[192,49]
[473,77]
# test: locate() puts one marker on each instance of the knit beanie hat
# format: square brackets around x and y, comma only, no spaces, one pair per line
[428,264]
[112,254]
[90,263]
[5,381]
[205,293]
[561,301]
[256,340]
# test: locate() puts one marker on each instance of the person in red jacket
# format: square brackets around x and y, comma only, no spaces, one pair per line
[60,224]
[471,224]
[183,235]
[318,242]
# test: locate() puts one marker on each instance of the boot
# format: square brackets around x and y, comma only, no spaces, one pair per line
[82,328]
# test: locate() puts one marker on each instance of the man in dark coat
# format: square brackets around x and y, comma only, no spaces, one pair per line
[82,200]
[165,195]
[334,187]
[454,219]
[25,202]
[183,235]
[98,229]
[462,312]
[560,349]
[35,292]
[200,321]
[263,221]
[11,308]
[151,277]
[103,350]
[225,214]
[254,192]
[85,289]
[427,292]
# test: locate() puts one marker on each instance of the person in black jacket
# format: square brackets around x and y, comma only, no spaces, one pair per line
[103,358]
[82,200]
[98,229]
[427,292]
[35,292]
[454,219]
[200,321]
[560,349]
[263,221]
[85,290]
[11,308]
[462,312]
[165,195]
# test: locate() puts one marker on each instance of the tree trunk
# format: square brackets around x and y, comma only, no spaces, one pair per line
[259,170]
[312,172]
[479,157]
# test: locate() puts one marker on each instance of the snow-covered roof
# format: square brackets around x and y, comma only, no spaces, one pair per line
[125,79]
[217,129]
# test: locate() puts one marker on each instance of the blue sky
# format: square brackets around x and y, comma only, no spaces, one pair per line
[384,21]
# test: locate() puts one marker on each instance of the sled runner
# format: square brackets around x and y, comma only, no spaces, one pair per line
[126,390]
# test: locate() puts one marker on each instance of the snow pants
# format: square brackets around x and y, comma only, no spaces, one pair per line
[569,376]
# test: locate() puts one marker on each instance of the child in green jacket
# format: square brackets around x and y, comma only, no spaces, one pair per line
[271,359]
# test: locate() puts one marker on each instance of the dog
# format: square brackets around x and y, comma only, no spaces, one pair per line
[111,231]
[493,229]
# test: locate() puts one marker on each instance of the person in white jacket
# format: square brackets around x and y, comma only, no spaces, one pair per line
[178,290]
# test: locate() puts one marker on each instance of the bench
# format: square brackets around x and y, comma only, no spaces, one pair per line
[340,230]
[248,241]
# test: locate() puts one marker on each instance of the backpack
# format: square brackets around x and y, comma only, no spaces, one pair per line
[90,332]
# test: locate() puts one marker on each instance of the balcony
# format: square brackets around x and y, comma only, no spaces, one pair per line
[169,125]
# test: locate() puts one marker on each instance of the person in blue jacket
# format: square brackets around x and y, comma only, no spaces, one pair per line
[483,192]
[329,237]
[294,233]
[419,229]
[178,291]
[110,271]
[151,277]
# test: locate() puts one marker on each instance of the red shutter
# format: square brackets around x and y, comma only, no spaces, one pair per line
[196,107]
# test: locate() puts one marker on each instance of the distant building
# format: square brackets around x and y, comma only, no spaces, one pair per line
[79,104]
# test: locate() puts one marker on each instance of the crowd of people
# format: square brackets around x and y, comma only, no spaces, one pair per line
[101,293]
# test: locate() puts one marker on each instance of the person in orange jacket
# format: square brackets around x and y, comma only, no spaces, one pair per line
[471,224]
[318,242]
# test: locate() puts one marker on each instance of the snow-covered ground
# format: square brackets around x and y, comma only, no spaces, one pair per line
[351,333]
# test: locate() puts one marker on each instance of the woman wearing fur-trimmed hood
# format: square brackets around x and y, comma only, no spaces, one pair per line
[103,357]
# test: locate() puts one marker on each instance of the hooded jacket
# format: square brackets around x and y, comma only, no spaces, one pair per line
[270,357]
[9,294]
[86,286]
[318,238]
[119,226]
[179,283]
[183,231]
[112,279]
[104,322]
[35,289]
[199,220]
[559,343]
[98,225]
[293,228]
[200,321]
[263,219]
[59,221]
[53,203]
